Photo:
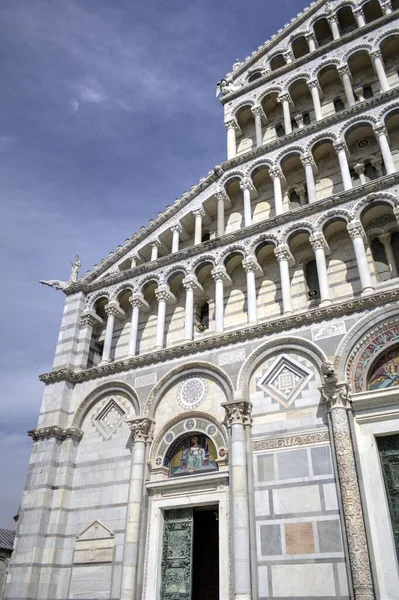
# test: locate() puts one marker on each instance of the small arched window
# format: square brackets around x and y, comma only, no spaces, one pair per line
[203,317]
[280,130]
[312,280]
[254,76]
[338,105]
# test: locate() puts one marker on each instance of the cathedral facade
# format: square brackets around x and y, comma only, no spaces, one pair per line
[221,421]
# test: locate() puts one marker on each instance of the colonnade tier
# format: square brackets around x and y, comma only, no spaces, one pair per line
[321,30]
[279,109]
[279,175]
[112,310]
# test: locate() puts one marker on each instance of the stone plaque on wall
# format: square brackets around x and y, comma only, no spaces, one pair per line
[325,331]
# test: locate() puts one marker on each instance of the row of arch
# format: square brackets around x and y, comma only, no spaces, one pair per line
[322,30]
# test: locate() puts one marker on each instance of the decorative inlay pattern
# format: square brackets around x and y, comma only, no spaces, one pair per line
[284,380]
[144,380]
[326,331]
[234,356]
[192,392]
[287,441]
[109,419]
[190,424]
[211,430]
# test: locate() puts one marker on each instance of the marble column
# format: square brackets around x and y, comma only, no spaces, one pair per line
[386,6]
[276,176]
[359,169]
[356,233]
[190,284]
[334,27]
[232,128]
[155,246]
[318,244]
[251,267]
[199,214]
[112,310]
[88,321]
[176,231]
[283,256]
[380,70]
[258,114]
[314,90]
[164,296]
[247,187]
[359,16]
[301,191]
[346,76]
[337,399]
[220,276]
[238,416]
[382,136]
[221,199]
[141,430]
[377,164]
[340,148]
[307,161]
[311,38]
[285,101]
[137,302]
[386,241]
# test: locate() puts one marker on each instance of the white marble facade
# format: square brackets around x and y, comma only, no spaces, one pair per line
[253,314]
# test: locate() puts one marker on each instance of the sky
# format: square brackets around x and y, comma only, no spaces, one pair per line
[107,114]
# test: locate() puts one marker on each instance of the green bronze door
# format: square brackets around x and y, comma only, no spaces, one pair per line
[388,447]
[177,554]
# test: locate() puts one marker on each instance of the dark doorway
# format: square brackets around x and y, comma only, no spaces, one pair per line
[205,584]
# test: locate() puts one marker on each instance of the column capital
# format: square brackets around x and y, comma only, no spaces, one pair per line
[246,184]
[191,283]
[284,97]
[386,6]
[257,111]
[358,11]
[176,227]
[232,125]
[222,195]
[282,252]
[317,241]
[355,229]
[380,129]
[288,55]
[344,70]
[313,83]
[332,19]
[142,429]
[299,120]
[155,244]
[199,212]
[307,160]
[238,413]
[336,395]
[113,308]
[89,317]
[310,36]
[276,173]
[340,145]
[385,238]
[359,168]
[137,300]
[163,294]
[219,273]
[250,264]
[376,54]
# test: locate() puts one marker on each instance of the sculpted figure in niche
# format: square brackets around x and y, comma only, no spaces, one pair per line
[385,373]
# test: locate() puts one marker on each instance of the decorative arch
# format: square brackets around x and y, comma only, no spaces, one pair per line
[249,103]
[326,135]
[105,389]
[383,114]
[364,342]
[337,213]
[313,20]
[291,150]
[193,421]
[176,269]
[127,285]
[301,345]
[328,62]
[203,259]
[260,162]
[361,47]
[92,299]
[240,248]
[147,278]
[384,197]
[370,119]
[227,176]
[275,89]
[286,233]
[298,77]
[295,35]
[188,368]
[264,237]
[383,36]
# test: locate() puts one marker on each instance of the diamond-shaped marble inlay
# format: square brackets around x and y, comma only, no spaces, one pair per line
[109,419]
[284,380]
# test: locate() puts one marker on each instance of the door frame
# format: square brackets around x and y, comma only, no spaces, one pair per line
[186,492]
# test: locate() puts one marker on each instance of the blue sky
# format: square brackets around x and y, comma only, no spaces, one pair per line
[108,113]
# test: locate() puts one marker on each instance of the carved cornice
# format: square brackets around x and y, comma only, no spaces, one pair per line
[54,431]
[319,52]
[84,283]
[243,335]
[245,232]
[293,439]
